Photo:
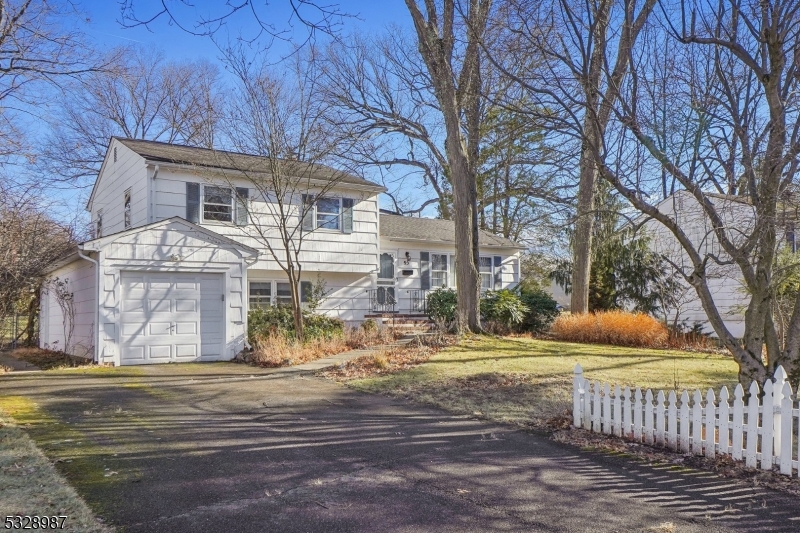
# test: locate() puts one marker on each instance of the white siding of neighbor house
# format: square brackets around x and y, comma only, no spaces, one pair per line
[80,275]
[128,172]
[724,281]
[322,250]
[154,250]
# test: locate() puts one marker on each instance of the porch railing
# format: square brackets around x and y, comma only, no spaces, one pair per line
[382,300]
[418,301]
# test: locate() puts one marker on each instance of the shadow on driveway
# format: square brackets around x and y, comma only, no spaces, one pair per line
[219,450]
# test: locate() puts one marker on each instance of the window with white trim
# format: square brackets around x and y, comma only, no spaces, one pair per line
[126,209]
[283,293]
[217,204]
[438,270]
[485,269]
[98,225]
[260,294]
[329,212]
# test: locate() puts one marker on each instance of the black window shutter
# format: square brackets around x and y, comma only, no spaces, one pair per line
[242,195]
[425,270]
[305,291]
[193,202]
[498,274]
[308,212]
[347,215]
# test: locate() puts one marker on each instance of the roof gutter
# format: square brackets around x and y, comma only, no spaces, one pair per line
[451,243]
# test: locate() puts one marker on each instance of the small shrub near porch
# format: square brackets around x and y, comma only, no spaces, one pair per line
[272,336]
[619,328]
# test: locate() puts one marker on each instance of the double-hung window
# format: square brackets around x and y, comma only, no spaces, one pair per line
[98,225]
[329,212]
[485,267]
[268,293]
[438,270]
[260,294]
[218,204]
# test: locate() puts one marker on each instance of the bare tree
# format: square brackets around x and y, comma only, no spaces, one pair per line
[140,96]
[30,240]
[736,85]
[277,119]
[585,49]
[41,45]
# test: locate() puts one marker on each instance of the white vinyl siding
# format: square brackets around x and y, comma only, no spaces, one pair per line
[80,277]
[128,173]
[322,251]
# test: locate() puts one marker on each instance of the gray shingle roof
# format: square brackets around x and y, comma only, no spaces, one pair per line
[433,230]
[204,157]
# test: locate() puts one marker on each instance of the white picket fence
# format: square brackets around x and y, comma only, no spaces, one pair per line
[762,432]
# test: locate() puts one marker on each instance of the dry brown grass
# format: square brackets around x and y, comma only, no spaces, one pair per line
[48,359]
[618,328]
[275,350]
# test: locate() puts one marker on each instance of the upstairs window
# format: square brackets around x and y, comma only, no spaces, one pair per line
[126,209]
[98,225]
[218,204]
[328,213]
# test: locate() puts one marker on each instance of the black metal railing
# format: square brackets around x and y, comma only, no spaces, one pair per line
[382,300]
[418,300]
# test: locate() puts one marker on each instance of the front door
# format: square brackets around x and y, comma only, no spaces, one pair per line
[385,294]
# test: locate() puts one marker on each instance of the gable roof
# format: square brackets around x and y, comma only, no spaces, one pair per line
[400,228]
[95,244]
[157,151]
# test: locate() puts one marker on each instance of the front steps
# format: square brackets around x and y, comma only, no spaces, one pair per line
[405,323]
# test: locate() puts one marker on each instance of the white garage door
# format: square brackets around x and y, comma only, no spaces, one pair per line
[171,317]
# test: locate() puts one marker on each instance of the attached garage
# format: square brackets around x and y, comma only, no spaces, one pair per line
[168,292]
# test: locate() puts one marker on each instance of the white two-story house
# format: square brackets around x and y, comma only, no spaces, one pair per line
[176,262]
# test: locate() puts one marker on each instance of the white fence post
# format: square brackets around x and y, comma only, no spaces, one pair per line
[637,415]
[672,421]
[777,401]
[724,419]
[587,405]
[711,425]
[649,427]
[683,435]
[751,427]
[607,409]
[697,423]
[787,421]
[596,407]
[617,416]
[767,420]
[660,419]
[577,389]
[738,421]
[626,414]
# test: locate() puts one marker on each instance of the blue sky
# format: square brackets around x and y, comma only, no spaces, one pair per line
[104,23]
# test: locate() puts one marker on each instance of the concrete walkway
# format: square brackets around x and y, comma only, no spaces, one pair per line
[226,447]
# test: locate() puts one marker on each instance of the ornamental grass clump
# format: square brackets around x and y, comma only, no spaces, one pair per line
[619,328]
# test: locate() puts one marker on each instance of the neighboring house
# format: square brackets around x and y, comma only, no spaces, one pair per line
[174,267]
[724,281]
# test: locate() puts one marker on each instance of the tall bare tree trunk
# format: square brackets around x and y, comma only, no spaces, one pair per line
[582,239]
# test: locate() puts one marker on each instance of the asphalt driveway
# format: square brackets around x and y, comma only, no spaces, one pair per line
[224,447]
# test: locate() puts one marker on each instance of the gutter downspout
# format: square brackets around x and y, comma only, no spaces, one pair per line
[97,304]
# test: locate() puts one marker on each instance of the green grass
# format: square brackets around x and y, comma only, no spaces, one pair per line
[527,381]
[29,483]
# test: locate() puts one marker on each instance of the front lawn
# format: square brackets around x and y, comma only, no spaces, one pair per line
[528,381]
